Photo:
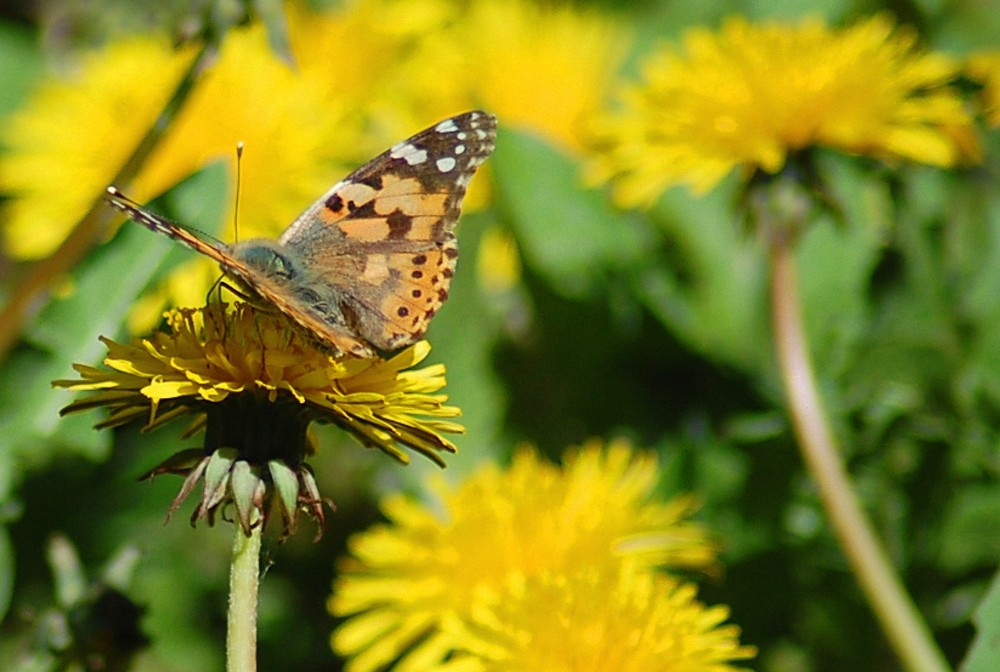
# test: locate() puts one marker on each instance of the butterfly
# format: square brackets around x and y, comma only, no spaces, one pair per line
[365,267]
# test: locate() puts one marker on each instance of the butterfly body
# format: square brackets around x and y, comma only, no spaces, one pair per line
[366,266]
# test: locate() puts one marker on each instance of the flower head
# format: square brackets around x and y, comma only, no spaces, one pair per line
[625,621]
[750,95]
[51,171]
[541,67]
[409,579]
[255,384]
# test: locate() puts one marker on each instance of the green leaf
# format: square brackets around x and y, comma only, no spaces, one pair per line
[985,651]
[244,484]
[106,285]
[710,282]
[287,484]
[272,15]
[21,66]
[707,281]
[6,571]
[570,235]
[971,528]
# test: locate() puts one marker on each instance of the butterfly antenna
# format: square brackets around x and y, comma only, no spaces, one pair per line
[239,182]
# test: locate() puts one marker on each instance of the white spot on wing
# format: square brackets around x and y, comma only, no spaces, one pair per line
[459,149]
[446,164]
[446,126]
[412,155]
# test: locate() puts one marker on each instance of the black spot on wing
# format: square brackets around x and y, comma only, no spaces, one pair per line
[335,203]
[364,211]
[400,225]
[373,180]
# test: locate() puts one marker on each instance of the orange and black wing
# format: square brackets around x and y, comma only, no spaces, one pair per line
[382,240]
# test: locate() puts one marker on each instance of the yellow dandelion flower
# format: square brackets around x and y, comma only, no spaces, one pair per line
[408,579]
[749,95]
[624,621]
[545,68]
[985,69]
[255,384]
[286,122]
[53,172]
[379,69]
[396,71]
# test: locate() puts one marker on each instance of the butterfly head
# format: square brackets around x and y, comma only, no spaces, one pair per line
[265,257]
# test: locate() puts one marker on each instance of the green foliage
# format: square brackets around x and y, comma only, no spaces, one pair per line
[563,229]
[66,331]
[986,648]
[20,65]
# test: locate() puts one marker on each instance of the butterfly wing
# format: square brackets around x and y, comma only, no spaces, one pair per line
[200,242]
[251,265]
[371,261]
[380,244]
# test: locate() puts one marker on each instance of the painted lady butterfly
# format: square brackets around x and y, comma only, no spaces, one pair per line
[366,266]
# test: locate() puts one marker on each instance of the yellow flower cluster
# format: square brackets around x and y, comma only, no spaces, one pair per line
[749,95]
[534,567]
[366,73]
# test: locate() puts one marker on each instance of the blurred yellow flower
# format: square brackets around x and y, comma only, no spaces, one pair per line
[393,75]
[431,566]
[748,95]
[624,621]
[544,68]
[296,137]
[498,263]
[51,170]
[984,68]
[540,67]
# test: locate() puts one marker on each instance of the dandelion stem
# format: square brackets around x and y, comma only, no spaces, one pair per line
[907,632]
[244,580]
[28,293]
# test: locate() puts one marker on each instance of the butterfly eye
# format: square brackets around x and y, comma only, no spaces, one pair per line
[267,260]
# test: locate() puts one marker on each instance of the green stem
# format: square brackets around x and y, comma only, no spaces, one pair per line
[905,629]
[244,580]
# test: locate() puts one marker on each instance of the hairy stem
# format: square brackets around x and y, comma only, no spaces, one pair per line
[905,629]
[244,581]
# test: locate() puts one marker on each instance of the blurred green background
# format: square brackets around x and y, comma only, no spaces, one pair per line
[652,326]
